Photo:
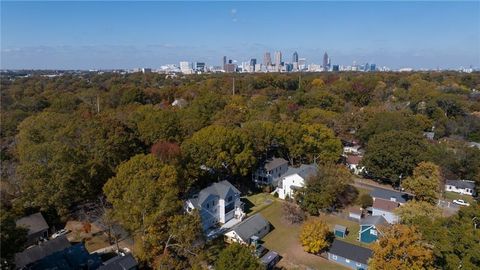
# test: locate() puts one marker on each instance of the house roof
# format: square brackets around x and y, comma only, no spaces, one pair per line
[119,262]
[274,163]
[340,228]
[373,220]
[38,252]
[350,251]
[355,210]
[304,171]
[220,189]
[387,194]
[461,184]
[354,159]
[269,257]
[35,223]
[385,204]
[250,226]
[71,258]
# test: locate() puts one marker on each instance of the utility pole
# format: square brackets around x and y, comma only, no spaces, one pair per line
[98,104]
[233,86]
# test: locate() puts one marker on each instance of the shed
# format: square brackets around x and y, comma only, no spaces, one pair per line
[243,232]
[270,259]
[340,231]
[355,213]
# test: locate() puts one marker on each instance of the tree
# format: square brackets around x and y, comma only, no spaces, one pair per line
[223,150]
[167,152]
[365,200]
[237,256]
[425,182]
[394,154]
[315,235]
[321,145]
[419,213]
[155,124]
[13,238]
[324,190]
[401,247]
[293,213]
[262,136]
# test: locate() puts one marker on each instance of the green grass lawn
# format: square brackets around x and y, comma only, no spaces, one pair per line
[455,196]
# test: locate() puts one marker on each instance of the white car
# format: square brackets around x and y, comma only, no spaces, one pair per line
[461,202]
[59,233]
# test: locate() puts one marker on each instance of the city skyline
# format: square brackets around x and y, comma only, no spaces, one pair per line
[104,35]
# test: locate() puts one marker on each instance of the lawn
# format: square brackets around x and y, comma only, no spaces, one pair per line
[455,196]
[284,237]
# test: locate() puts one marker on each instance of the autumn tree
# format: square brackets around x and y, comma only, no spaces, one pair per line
[324,190]
[315,235]
[154,124]
[292,212]
[401,247]
[425,182]
[237,256]
[321,145]
[167,152]
[419,213]
[394,154]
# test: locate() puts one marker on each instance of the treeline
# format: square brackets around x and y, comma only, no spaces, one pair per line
[69,139]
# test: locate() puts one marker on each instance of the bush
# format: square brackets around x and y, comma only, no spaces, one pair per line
[275,194]
[293,213]
[365,200]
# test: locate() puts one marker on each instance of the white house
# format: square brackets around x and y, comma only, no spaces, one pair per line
[464,187]
[243,232]
[353,164]
[270,171]
[294,179]
[385,208]
[217,204]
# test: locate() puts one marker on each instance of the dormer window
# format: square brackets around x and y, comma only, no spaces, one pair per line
[393,199]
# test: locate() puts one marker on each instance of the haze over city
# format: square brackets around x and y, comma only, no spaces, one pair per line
[104,35]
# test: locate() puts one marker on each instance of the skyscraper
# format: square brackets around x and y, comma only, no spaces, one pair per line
[278,59]
[267,59]
[224,63]
[295,57]
[325,61]
[253,62]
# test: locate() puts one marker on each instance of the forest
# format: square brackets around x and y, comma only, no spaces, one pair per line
[146,142]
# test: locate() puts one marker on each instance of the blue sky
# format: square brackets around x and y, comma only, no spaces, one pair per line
[93,35]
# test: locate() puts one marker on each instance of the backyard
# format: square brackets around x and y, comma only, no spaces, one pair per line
[284,236]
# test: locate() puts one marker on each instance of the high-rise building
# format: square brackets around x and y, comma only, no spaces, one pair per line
[224,62]
[278,58]
[325,61]
[295,57]
[253,62]
[199,66]
[267,59]
[185,67]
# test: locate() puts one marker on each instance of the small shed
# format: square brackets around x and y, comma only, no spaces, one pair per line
[355,213]
[270,259]
[340,231]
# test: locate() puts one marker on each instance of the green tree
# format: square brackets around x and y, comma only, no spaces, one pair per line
[315,235]
[321,145]
[13,238]
[425,182]
[394,154]
[237,256]
[325,189]
[157,124]
[418,213]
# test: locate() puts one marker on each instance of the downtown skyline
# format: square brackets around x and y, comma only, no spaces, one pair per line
[116,35]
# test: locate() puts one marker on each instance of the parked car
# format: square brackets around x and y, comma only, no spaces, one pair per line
[60,233]
[461,202]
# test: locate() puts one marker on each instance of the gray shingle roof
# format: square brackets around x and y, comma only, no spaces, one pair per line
[461,184]
[269,257]
[250,226]
[387,194]
[350,251]
[39,252]
[304,170]
[274,163]
[35,223]
[220,189]
[119,262]
[373,220]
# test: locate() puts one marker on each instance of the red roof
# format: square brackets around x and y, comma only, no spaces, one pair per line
[384,204]
[354,159]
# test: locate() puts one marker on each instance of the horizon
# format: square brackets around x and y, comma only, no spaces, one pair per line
[127,35]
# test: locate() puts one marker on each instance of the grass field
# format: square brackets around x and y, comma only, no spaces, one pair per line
[284,236]
[455,196]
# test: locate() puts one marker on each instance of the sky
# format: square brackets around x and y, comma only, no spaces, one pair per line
[128,34]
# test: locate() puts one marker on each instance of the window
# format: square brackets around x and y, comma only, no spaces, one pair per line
[229,207]
[334,257]
[230,198]
[347,260]
[208,205]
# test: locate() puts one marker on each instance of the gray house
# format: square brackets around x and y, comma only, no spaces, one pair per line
[217,204]
[120,262]
[349,255]
[270,171]
[243,232]
[38,252]
[464,187]
[390,195]
[36,225]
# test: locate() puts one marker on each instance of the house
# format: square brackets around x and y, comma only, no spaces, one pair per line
[270,171]
[390,195]
[270,259]
[294,179]
[385,209]
[217,203]
[349,255]
[254,226]
[120,262]
[464,187]
[429,135]
[340,231]
[179,102]
[354,213]
[38,252]
[368,228]
[36,225]
[353,164]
